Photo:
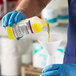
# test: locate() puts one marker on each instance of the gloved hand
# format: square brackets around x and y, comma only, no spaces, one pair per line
[59,70]
[12,17]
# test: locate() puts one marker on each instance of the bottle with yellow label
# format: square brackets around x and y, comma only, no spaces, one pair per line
[27,26]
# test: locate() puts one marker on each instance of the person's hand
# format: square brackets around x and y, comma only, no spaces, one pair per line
[12,18]
[59,70]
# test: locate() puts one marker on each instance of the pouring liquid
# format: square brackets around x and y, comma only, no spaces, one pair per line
[48,29]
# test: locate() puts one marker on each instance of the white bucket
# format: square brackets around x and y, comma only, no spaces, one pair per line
[27,58]
[10,65]
[11,57]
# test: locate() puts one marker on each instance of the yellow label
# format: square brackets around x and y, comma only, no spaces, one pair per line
[37,24]
[36,27]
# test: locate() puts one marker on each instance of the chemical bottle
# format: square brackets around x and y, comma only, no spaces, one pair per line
[24,27]
[63,11]
[51,13]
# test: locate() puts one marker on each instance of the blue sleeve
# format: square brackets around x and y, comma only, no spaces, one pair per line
[69,2]
[70,53]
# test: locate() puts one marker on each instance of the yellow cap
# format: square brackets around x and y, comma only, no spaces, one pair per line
[9,32]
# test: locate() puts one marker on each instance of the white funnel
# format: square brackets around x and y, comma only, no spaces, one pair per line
[51,46]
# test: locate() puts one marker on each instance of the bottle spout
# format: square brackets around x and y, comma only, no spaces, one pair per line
[45,22]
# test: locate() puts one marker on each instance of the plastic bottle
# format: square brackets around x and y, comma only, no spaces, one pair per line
[28,26]
[51,13]
[63,11]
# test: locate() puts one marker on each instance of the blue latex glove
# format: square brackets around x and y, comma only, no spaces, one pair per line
[59,70]
[12,17]
[19,38]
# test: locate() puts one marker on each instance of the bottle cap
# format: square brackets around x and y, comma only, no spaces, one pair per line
[9,32]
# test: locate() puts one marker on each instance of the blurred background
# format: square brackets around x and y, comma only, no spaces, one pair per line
[28,54]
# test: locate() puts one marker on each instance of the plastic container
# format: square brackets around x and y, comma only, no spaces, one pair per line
[40,56]
[51,13]
[25,27]
[57,58]
[27,55]
[10,65]
[27,58]
[11,53]
[63,14]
